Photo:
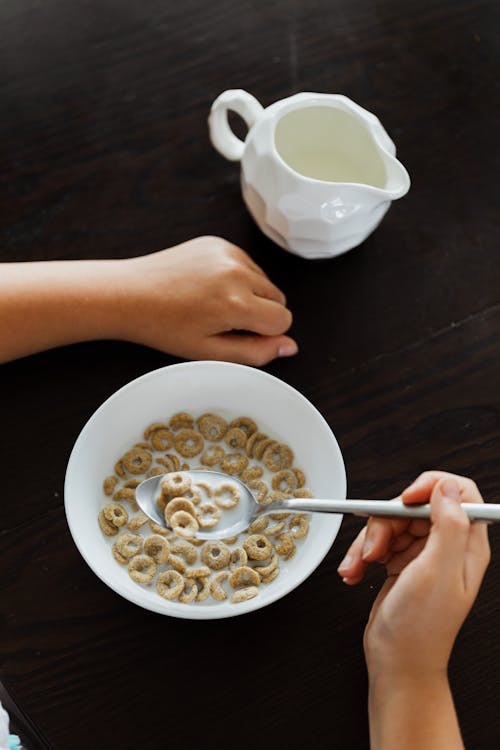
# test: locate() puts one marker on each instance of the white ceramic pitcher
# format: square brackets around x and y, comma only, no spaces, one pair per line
[318,172]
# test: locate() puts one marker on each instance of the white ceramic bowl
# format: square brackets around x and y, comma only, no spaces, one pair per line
[223,388]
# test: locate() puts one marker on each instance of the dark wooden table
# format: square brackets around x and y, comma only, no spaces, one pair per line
[105,153]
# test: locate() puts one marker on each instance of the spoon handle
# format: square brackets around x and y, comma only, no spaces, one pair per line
[475,511]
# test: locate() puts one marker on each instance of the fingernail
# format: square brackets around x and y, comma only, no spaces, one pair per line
[450,488]
[288,349]
[346,563]
[345,580]
[367,548]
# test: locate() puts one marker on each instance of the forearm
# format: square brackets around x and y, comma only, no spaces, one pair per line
[49,304]
[412,713]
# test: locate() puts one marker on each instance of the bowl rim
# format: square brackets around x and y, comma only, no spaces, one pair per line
[185,612]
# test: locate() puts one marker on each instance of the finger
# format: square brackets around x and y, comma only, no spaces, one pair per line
[399,560]
[380,533]
[248,349]
[449,533]
[264,287]
[353,567]
[420,490]
[264,316]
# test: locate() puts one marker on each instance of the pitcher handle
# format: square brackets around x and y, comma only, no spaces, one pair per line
[221,135]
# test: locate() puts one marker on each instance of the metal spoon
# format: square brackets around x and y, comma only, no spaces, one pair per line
[247,510]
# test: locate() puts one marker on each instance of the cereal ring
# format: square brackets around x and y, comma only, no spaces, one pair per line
[271,576]
[161,502]
[193,495]
[285,545]
[184,524]
[128,545]
[200,572]
[253,472]
[120,470]
[258,525]
[208,515]
[205,487]
[243,595]
[156,471]
[118,556]
[212,455]
[291,554]
[106,527]
[227,495]
[175,484]
[277,457]
[177,563]
[115,514]
[235,438]
[144,445]
[180,421]
[215,554]
[299,475]
[109,485]
[234,463]
[244,423]
[157,547]
[275,496]
[132,484]
[244,576]
[257,547]
[276,529]
[137,460]
[190,591]
[259,490]
[162,439]
[298,526]
[157,529]
[212,427]
[178,503]
[153,428]
[254,438]
[170,584]
[216,589]
[137,521]
[142,569]
[303,493]
[268,569]
[279,516]
[125,493]
[284,481]
[189,443]
[203,588]
[186,549]
[238,559]
[230,539]
[262,446]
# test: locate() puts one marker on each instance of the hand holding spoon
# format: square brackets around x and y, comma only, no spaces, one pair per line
[239,518]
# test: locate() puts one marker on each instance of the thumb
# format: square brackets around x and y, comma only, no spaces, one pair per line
[249,348]
[450,527]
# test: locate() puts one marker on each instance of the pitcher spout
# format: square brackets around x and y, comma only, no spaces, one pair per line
[397,178]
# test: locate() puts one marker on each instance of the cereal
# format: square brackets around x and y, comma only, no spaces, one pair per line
[303,493]
[193,495]
[137,461]
[125,493]
[254,438]
[200,572]
[213,455]
[109,485]
[284,481]
[120,470]
[238,558]
[257,547]
[234,463]
[153,428]
[186,549]
[107,528]
[181,420]
[277,457]
[268,569]
[212,427]
[262,446]
[298,526]
[216,589]
[258,525]
[276,496]
[227,496]
[176,504]
[175,484]
[162,440]
[230,539]
[259,490]
[215,554]
[299,475]
[244,576]
[115,514]
[142,569]
[235,438]
[170,584]
[244,423]
[157,548]
[177,563]
[184,524]
[132,484]
[157,529]
[205,487]
[253,472]
[207,515]
[128,544]
[276,529]
[285,544]
[203,588]
[271,576]
[189,443]
[156,471]
[189,592]
[137,521]
[243,595]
